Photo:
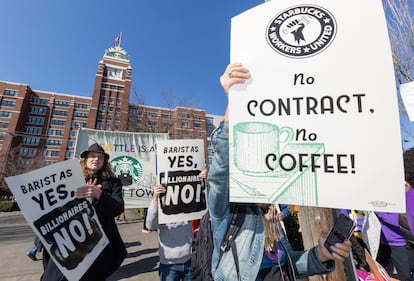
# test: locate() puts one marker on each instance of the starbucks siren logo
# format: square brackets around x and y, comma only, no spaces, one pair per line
[128,169]
[301,31]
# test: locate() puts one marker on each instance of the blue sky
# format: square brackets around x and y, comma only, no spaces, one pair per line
[178,48]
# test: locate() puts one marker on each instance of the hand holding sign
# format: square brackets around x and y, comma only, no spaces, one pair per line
[235,74]
[158,189]
[90,190]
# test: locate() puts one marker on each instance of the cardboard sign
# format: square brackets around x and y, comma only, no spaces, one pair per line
[179,162]
[132,156]
[317,124]
[68,228]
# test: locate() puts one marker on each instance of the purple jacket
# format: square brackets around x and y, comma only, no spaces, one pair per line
[409,197]
[390,230]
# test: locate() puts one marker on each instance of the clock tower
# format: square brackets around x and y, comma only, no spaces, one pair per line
[110,100]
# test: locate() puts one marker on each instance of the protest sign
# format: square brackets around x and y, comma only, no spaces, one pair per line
[407,95]
[68,228]
[132,156]
[179,163]
[317,124]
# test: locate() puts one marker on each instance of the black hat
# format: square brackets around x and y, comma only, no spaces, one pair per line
[94,148]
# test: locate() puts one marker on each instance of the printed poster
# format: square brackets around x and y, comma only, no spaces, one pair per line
[68,227]
[132,156]
[317,124]
[407,95]
[179,162]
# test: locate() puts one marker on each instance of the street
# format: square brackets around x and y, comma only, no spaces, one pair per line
[16,237]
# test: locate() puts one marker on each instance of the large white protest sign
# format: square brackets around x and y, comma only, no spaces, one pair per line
[68,228]
[407,95]
[132,156]
[179,163]
[317,124]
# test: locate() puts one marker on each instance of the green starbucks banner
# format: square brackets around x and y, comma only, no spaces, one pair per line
[317,124]
[133,159]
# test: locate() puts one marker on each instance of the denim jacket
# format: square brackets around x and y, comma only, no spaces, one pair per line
[250,240]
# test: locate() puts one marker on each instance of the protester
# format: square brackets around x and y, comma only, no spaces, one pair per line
[195,224]
[174,240]
[145,229]
[357,239]
[36,247]
[261,253]
[409,186]
[122,217]
[105,191]
[393,250]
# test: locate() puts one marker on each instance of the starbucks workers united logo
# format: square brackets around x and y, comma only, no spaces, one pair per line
[301,31]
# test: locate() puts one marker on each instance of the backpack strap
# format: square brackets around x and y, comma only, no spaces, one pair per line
[231,234]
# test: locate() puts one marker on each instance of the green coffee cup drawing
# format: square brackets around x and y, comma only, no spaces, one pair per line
[253,141]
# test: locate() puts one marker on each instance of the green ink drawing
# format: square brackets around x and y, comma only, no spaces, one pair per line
[266,166]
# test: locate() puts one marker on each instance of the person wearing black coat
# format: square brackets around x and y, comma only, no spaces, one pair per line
[105,190]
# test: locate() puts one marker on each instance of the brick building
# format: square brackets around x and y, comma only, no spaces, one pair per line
[38,128]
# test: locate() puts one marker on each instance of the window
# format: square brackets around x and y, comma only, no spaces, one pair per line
[78,124]
[59,112]
[81,105]
[69,154]
[38,110]
[31,141]
[186,115]
[51,153]
[99,125]
[33,130]
[58,122]
[71,143]
[11,93]
[48,162]
[197,125]
[5,114]
[197,116]
[62,103]
[8,103]
[80,114]
[2,136]
[185,124]
[73,133]
[4,125]
[53,142]
[39,101]
[36,120]
[26,151]
[54,132]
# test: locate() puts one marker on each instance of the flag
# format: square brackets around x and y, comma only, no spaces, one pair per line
[117,40]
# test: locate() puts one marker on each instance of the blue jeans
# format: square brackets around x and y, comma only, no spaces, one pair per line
[175,272]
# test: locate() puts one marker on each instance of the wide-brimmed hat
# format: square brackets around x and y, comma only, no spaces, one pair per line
[94,148]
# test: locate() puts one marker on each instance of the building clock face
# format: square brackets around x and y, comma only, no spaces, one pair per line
[114,73]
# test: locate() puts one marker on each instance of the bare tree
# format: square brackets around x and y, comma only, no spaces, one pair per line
[399,14]
[143,118]
[15,163]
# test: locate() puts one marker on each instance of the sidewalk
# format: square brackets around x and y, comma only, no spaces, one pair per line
[16,237]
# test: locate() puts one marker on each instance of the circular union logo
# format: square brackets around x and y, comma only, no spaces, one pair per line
[128,169]
[301,31]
